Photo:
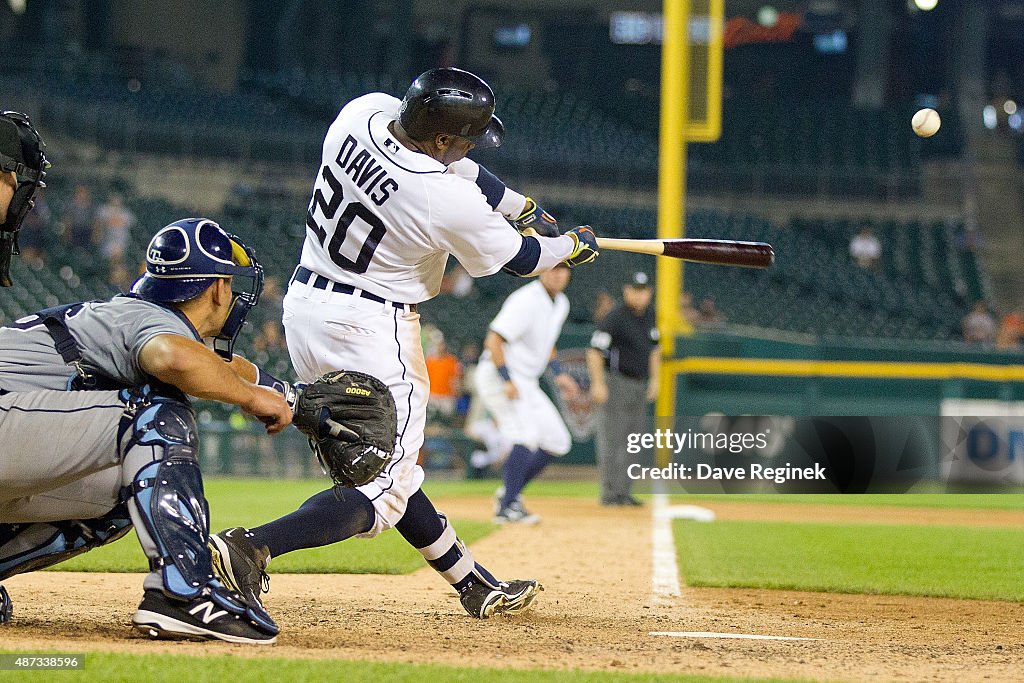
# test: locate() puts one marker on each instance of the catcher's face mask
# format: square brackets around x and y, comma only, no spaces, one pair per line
[246,287]
[23,152]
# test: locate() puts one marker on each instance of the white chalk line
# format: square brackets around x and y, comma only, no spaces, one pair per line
[731,636]
[665,574]
[665,570]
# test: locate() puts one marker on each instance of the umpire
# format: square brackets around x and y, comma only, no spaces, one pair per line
[624,363]
[23,166]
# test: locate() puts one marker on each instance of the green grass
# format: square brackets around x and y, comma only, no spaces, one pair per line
[250,502]
[977,563]
[974,501]
[131,668]
[485,487]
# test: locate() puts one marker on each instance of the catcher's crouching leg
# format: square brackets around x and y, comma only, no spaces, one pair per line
[158,439]
[28,547]
[481,594]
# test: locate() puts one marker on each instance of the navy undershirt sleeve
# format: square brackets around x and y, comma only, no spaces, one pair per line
[525,262]
[492,188]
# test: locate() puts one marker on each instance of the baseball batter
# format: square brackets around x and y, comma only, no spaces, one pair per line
[393,198]
[98,436]
[519,345]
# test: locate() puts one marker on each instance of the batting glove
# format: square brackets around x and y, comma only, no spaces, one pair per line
[537,218]
[585,249]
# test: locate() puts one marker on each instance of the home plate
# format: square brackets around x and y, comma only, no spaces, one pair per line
[736,636]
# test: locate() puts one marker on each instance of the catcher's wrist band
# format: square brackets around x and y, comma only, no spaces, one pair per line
[265,379]
[503,371]
[555,366]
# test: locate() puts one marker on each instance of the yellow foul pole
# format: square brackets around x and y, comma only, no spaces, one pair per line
[675,53]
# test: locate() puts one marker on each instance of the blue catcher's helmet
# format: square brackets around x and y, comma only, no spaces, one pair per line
[183,260]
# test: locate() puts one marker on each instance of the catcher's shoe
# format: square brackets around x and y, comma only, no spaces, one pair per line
[202,618]
[483,602]
[6,606]
[240,564]
[515,513]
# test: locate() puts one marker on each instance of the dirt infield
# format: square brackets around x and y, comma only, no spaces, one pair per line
[595,614]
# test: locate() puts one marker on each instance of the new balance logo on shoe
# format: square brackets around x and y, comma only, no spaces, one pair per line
[208,609]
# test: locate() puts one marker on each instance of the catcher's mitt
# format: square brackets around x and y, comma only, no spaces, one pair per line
[351,423]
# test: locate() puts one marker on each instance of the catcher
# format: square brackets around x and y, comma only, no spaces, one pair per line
[97,434]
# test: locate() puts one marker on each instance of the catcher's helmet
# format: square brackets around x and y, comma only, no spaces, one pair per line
[451,101]
[183,260]
[23,152]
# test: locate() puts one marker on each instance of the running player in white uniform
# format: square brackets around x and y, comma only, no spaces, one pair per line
[520,343]
[394,197]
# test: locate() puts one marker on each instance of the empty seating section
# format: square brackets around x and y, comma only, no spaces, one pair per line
[808,147]
[791,147]
[921,290]
[925,283]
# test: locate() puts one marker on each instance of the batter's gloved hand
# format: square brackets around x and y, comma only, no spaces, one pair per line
[352,424]
[537,218]
[585,249]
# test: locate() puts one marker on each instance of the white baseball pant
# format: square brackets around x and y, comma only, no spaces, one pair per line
[531,420]
[329,331]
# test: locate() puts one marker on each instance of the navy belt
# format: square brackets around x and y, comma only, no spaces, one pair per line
[304,275]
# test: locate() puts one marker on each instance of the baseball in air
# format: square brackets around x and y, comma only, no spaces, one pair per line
[926,123]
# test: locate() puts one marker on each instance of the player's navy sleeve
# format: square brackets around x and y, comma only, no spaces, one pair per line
[491,186]
[525,262]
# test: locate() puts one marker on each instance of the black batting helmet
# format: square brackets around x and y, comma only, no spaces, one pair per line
[454,102]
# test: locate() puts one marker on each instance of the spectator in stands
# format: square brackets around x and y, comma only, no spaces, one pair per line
[470,354]
[270,339]
[687,310]
[121,277]
[457,282]
[865,248]
[979,327]
[968,237]
[77,222]
[35,232]
[273,296]
[112,230]
[445,373]
[1011,331]
[708,315]
[603,304]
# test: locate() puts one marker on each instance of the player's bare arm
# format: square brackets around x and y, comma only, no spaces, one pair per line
[495,343]
[8,183]
[598,384]
[199,372]
[244,368]
[654,383]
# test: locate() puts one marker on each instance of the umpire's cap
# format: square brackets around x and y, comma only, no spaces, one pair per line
[183,260]
[454,102]
[639,280]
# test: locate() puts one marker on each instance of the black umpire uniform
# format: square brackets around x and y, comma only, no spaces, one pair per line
[623,361]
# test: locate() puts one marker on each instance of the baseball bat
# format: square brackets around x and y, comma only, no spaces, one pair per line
[717,252]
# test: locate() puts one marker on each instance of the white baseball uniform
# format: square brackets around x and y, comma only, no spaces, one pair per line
[530,322]
[381,224]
